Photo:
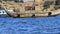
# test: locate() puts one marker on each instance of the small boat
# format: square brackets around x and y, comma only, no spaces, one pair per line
[11,13]
[2,11]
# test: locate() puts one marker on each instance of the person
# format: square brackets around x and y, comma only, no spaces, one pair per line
[19,1]
[49,14]
[33,15]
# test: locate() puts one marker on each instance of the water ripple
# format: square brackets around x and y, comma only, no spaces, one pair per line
[43,25]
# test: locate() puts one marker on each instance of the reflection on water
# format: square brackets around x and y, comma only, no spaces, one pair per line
[43,25]
[3,15]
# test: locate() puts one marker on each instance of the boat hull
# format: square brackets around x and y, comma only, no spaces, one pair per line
[24,15]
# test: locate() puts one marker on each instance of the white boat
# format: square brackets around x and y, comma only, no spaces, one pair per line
[2,12]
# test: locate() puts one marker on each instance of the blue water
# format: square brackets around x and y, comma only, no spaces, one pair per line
[43,25]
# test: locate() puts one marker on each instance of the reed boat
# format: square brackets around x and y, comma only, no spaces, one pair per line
[11,13]
[36,8]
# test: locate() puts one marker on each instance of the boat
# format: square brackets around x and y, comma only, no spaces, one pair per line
[11,13]
[34,9]
[2,11]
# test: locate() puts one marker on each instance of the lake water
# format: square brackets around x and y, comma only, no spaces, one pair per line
[42,25]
